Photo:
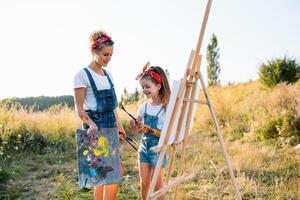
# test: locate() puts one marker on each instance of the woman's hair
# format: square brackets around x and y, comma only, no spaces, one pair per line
[95,40]
[164,91]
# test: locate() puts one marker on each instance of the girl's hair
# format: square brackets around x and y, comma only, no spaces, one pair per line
[164,91]
[96,36]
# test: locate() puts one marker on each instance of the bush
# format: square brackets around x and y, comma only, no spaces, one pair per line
[22,139]
[279,70]
[285,128]
[4,175]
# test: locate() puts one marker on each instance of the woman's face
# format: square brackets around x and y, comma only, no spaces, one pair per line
[103,56]
[150,89]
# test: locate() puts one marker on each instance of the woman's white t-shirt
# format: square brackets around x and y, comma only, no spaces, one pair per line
[81,80]
[153,110]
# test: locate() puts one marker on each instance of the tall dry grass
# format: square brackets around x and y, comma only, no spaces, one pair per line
[262,172]
[54,121]
[243,111]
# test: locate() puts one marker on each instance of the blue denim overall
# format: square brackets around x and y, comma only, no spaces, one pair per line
[149,140]
[106,100]
[98,154]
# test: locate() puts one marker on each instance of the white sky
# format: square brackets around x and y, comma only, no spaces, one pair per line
[44,43]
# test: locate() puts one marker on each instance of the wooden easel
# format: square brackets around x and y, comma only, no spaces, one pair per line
[188,88]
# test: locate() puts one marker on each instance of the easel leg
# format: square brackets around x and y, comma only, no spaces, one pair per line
[156,172]
[223,148]
[172,155]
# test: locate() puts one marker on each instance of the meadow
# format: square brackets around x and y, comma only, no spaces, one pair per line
[260,126]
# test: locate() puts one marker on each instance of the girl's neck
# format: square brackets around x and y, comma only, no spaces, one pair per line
[96,68]
[155,101]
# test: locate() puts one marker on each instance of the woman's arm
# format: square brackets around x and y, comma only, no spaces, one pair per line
[119,124]
[79,94]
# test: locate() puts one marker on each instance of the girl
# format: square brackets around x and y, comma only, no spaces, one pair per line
[96,103]
[155,86]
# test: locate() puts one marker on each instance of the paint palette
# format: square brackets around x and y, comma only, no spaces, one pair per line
[98,157]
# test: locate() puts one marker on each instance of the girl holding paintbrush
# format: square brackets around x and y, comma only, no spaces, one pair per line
[151,117]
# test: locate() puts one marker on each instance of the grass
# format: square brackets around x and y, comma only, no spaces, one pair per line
[38,156]
[263,172]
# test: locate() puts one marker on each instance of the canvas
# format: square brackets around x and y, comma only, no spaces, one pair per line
[170,108]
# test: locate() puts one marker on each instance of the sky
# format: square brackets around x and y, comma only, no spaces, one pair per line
[44,43]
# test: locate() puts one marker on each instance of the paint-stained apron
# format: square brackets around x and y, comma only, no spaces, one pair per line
[98,153]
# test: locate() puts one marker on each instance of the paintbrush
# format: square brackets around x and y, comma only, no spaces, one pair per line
[146,128]
[130,141]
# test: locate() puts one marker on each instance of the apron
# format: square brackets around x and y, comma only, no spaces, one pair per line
[98,154]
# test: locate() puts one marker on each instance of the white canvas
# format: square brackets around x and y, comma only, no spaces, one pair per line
[170,108]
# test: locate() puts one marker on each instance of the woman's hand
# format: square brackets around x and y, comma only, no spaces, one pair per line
[93,128]
[122,132]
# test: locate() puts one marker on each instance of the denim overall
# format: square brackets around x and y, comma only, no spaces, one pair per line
[148,140]
[98,154]
[106,100]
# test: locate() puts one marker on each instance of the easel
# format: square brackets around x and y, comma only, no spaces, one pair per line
[188,87]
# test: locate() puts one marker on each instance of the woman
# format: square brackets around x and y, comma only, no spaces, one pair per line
[96,103]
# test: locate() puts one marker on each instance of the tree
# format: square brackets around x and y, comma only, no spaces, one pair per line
[168,74]
[125,92]
[136,94]
[40,103]
[213,65]
[278,70]
[124,96]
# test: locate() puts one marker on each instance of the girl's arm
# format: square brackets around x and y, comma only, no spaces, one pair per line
[79,94]
[120,125]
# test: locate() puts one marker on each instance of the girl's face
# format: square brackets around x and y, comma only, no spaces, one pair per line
[103,56]
[150,89]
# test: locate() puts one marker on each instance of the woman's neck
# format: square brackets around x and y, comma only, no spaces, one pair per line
[96,68]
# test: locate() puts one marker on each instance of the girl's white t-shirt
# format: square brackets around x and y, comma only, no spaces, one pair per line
[153,110]
[81,80]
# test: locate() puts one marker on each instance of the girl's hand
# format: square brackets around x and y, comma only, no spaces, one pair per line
[93,128]
[132,123]
[140,126]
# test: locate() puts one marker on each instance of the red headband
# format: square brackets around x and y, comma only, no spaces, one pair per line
[100,41]
[153,74]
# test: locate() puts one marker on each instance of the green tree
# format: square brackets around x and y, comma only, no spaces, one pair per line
[168,74]
[213,65]
[278,70]
[136,94]
[124,96]
[40,103]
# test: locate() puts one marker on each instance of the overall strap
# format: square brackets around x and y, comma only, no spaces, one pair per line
[159,111]
[92,82]
[110,82]
[146,108]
